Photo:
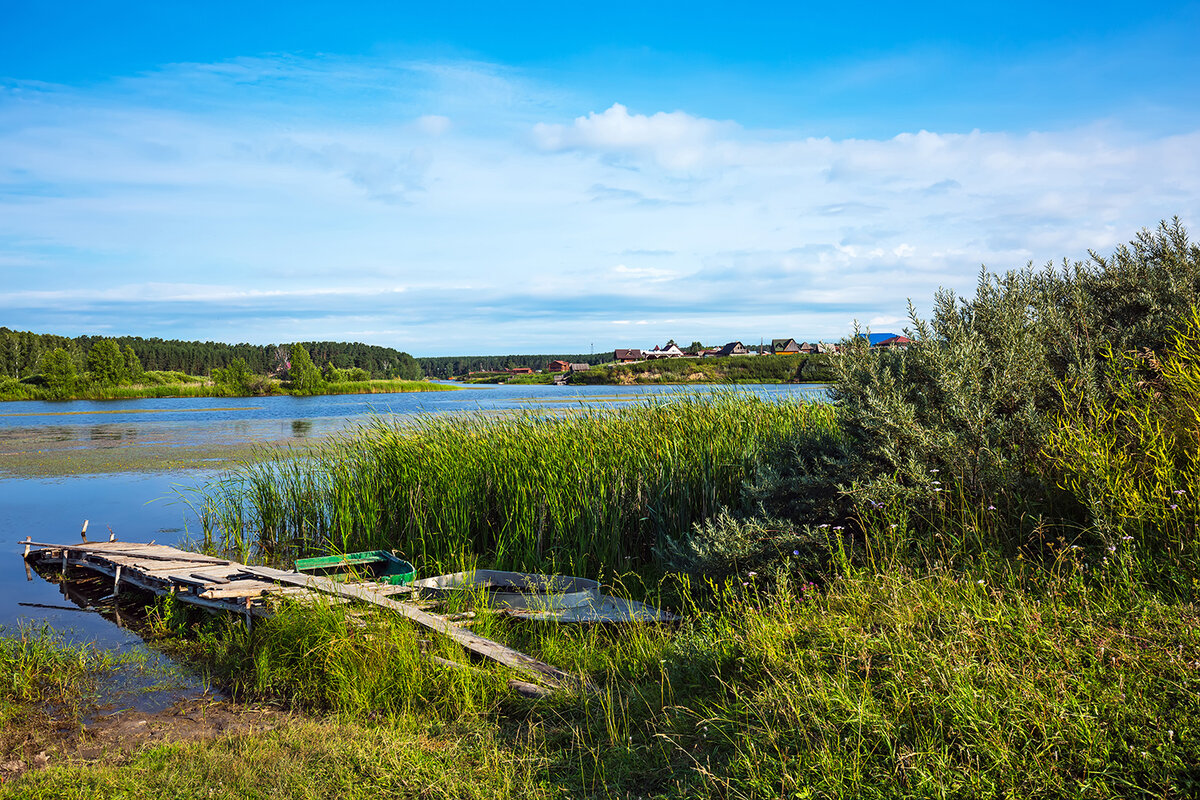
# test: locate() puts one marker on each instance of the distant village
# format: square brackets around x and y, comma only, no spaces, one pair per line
[634,355]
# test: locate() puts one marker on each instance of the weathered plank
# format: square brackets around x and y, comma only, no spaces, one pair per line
[122,549]
[473,642]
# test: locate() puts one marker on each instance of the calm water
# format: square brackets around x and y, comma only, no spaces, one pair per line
[146,506]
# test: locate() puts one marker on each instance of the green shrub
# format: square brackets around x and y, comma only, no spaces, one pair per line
[727,545]
[959,420]
[58,372]
[1133,461]
[303,375]
[13,389]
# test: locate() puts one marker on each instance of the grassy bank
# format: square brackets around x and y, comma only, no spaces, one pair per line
[44,685]
[883,682]
[536,379]
[36,666]
[731,369]
[179,385]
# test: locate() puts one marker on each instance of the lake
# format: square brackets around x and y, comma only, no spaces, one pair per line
[127,465]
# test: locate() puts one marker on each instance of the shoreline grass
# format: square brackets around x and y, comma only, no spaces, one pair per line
[202,387]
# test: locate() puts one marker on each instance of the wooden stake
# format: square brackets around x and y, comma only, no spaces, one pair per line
[28,543]
[83,533]
[116,582]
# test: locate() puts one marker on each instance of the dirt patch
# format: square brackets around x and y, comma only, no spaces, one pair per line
[43,740]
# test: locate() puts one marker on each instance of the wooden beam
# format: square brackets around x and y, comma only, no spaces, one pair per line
[104,548]
[487,648]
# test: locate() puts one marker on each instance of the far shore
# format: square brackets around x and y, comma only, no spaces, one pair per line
[204,387]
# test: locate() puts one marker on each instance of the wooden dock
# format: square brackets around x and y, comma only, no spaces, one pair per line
[219,584]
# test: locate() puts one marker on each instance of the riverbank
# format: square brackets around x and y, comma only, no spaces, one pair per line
[800,368]
[816,368]
[194,386]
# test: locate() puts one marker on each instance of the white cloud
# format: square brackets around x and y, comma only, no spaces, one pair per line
[674,139]
[129,200]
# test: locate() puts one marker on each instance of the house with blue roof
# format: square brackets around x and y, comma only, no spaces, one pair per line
[875,338]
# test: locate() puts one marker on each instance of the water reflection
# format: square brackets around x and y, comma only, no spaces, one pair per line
[112,433]
[301,427]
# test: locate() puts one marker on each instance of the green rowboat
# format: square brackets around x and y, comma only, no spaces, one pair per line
[376,565]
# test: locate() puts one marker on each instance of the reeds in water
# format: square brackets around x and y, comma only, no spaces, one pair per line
[582,492]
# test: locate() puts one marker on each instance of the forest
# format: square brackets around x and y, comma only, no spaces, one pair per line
[21,353]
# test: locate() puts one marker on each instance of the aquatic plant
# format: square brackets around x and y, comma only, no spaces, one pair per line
[582,492]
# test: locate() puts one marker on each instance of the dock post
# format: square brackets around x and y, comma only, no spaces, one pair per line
[116,582]
[248,620]
[28,540]
[83,533]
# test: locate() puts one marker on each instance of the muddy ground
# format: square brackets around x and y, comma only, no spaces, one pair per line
[35,739]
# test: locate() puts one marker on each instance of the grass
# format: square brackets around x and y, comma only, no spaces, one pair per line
[507,378]
[37,666]
[585,492]
[729,369]
[176,384]
[882,682]
[44,683]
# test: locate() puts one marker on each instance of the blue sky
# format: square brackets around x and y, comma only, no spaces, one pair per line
[471,179]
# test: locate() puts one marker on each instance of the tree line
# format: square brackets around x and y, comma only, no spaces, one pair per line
[22,353]
[450,366]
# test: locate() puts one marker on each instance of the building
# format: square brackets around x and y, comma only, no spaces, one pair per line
[784,346]
[664,352]
[521,371]
[628,356]
[558,366]
[894,341]
[873,339]
[734,349]
[576,367]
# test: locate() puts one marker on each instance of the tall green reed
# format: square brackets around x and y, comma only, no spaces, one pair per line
[587,491]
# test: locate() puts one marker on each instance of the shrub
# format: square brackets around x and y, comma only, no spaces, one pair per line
[304,376]
[58,371]
[967,409]
[106,363]
[1134,460]
[237,378]
[727,544]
